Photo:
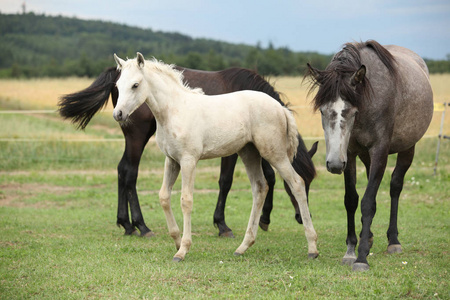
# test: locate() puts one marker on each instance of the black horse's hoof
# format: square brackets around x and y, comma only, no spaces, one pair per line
[313,255]
[397,248]
[148,234]
[360,267]
[132,233]
[348,261]
[177,259]
[227,234]
[263,226]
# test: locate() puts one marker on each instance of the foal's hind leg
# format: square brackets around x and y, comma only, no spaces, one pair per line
[297,186]
[252,161]
[404,160]
[171,171]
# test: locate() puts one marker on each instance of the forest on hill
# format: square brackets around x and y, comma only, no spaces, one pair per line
[33,45]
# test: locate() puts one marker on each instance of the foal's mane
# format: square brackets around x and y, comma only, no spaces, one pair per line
[334,79]
[171,72]
[154,65]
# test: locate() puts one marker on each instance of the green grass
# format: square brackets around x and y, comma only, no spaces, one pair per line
[58,237]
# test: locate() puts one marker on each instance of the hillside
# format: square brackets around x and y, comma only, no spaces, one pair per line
[37,45]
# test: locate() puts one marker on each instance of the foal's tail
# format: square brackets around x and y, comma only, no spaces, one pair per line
[292,134]
[81,106]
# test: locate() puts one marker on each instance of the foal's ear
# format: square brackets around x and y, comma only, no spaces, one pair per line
[140,60]
[313,72]
[358,76]
[119,61]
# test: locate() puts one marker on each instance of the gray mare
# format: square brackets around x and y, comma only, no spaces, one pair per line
[374,101]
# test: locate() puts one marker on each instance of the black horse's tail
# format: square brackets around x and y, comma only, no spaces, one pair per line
[81,106]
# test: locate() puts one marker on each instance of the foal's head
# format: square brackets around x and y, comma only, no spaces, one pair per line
[133,89]
[143,80]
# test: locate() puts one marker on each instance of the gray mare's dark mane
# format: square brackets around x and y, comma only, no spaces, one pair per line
[334,80]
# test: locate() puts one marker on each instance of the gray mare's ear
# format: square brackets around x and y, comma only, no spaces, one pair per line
[313,72]
[140,60]
[358,76]
[119,61]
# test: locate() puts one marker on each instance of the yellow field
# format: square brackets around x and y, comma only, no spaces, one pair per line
[44,94]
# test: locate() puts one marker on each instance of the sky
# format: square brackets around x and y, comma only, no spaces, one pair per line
[321,25]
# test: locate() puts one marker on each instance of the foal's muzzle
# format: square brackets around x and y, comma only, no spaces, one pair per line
[118,115]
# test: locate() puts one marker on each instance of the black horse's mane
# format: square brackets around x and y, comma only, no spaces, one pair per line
[334,81]
[246,79]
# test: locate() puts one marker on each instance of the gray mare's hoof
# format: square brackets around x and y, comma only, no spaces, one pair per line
[227,234]
[177,259]
[360,267]
[313,255]
[263,226]
[348,261]
[148,234]
[397,248]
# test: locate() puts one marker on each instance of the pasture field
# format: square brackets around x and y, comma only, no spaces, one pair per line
[58,202]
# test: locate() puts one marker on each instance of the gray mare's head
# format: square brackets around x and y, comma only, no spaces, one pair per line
[340,87]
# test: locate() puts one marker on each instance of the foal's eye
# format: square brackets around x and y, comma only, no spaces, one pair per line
[135,85]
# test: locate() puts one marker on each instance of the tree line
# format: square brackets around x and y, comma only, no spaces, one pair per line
[33,45]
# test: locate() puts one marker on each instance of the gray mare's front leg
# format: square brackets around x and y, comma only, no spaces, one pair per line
[351,204]
[378,158]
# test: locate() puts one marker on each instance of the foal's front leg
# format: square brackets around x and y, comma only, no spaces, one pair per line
[187,190]
[171,171]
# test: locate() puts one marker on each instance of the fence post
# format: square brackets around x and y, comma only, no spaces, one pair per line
[439,138]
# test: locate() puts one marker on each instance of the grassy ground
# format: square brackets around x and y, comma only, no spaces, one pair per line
[58,238]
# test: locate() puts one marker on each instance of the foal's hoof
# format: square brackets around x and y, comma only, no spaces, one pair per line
[227,234]
[263,226]
[148,234]
[348,261]
[397,248]
[313,255]
[177,259]
[237,254]
[360,267]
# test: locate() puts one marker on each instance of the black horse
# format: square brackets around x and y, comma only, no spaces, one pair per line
[81,106]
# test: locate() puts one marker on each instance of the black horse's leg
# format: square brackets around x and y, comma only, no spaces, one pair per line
[269,174]
[351,204]
[136,137]
[404,160]
[123,218]
[227,166]
[368,205]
